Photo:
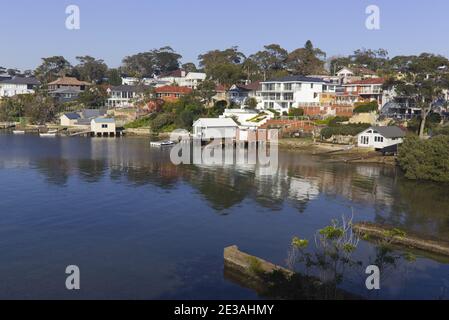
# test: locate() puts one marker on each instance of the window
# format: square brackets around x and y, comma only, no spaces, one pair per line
[378,139]
[288,87]
[104,126]
[364,140]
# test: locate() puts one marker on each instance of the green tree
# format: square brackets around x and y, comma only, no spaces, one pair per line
[52,68]
[114,77]
[223,66]
[94,96]
[206,90]
[91,69]
[38,108]
[270,60]
[189,67]
[422,84]
[156,61]
[425,159]
[251,103]
[306,61]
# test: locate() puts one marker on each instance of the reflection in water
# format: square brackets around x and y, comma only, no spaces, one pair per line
[126,196]
[299,180]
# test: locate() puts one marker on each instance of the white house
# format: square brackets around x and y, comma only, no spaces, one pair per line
[69,119]
[103,127]
[380,137]
[183,78]
[347,75]
[124,96]
[18,85]
[293,92]
[215,128]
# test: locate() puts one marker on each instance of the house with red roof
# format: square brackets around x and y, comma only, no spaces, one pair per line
[172,93]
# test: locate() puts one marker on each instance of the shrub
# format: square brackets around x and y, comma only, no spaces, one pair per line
[343,130]
[333,122]
[139,123]
[366,107]
[162,120]
[296,112]
[425,159]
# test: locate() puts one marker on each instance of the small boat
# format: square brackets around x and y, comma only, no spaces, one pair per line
[18,132]
[162,144]
[49,134]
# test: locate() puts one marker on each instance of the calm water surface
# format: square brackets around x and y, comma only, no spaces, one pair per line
[141,228]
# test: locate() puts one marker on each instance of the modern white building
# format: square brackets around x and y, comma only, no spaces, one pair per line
[133,81]
[215,128]
[18,85]
[293,92]
[347,74]
[380,137]
[124,96]
[183,78]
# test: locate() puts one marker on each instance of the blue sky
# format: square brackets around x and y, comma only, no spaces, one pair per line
[112,29]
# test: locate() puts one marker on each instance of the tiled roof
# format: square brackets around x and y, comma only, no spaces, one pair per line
[69,81]
[368,81]
[254,86]
[173,89]
[176,74]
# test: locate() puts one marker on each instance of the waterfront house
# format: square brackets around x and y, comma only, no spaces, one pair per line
[209,128]
[182,78]
[238,93]
[363,91]
[69,119]
[172,93]
[347,74]
[18,85]
[293,92]
[220,95]
[103,127]
[66,94]
[68,82]
[379,138]
[124,96]
[146,80]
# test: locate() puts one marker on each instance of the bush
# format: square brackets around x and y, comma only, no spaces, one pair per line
[343,130]
[162,120]
[336,121]
[139,123]
[425,159]
[366,107]
[442,130]
[296,112]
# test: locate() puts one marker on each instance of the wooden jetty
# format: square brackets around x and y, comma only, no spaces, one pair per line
[401,238]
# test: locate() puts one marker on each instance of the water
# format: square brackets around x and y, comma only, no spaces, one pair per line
[141,228]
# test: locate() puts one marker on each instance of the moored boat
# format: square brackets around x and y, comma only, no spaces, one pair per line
[161,144]
[18,132]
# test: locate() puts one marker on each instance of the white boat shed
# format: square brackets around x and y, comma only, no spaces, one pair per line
[215,128]
[380,137]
